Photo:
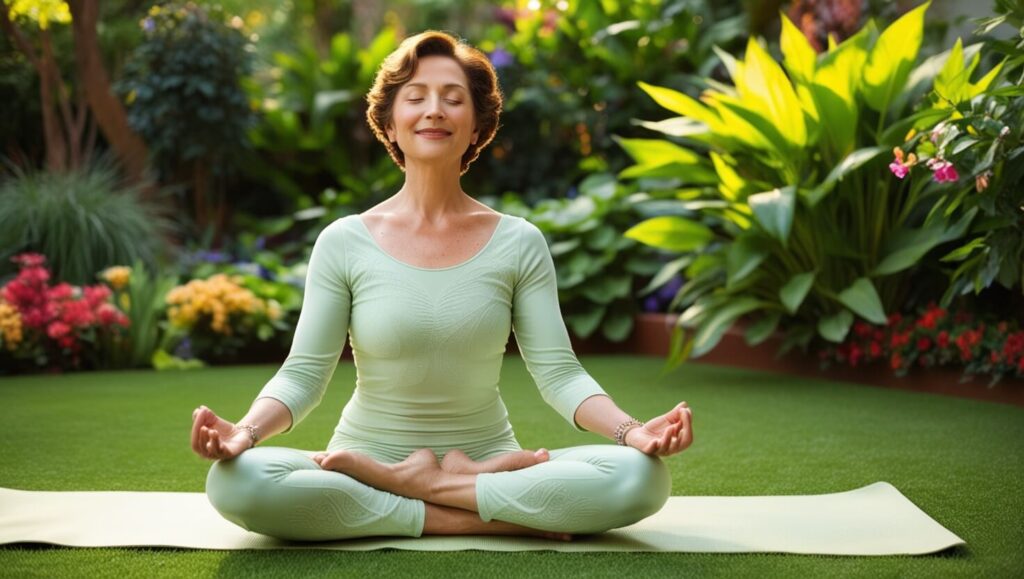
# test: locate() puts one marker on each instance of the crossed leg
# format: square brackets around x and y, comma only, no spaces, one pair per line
[448,488]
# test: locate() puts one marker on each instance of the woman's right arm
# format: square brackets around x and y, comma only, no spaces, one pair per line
[300,383]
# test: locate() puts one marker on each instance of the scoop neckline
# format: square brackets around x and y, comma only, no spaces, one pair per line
[373,241]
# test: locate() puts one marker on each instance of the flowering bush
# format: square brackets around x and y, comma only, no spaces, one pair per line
[218,317]
[936,337]
[59,327]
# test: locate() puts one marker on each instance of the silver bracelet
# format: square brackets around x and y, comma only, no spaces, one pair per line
[252,432]
[622,429]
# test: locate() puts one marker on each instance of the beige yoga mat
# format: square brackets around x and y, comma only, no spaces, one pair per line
[873,520]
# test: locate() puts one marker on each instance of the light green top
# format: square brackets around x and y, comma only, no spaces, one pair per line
[428,343]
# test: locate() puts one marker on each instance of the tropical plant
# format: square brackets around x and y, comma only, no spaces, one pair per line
[140,293]
[82,221]
[804,227]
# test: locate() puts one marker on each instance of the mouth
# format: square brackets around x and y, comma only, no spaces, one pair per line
[435,133]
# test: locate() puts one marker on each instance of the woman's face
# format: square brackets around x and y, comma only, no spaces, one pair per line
[432,117]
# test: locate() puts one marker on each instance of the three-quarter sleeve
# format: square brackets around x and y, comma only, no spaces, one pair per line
[540,331]
[321,331]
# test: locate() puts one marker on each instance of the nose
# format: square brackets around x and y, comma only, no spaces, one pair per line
[434,111]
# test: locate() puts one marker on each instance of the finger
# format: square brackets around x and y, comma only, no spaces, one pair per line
[196,425]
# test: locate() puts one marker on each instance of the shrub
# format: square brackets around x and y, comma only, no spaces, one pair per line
[82,221]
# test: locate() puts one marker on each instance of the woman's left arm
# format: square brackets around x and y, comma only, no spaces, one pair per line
[663,435]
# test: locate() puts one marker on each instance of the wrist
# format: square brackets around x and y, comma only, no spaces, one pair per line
[622,430]
[251,431]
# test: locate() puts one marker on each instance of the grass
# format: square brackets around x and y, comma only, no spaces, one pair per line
[959,460]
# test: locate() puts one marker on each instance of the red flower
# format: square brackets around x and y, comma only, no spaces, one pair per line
[855,354]
[861,329]
[96,294]
[923,344]
[896,361]
[875,349]
[943,339]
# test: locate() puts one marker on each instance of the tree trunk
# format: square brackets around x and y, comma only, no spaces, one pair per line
[109,113]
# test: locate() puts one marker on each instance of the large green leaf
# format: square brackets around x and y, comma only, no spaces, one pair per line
[617,325]
[862,298]
[762,329]
[671,232]
[585,323]
[743,257]
[766,88]
[835,327]
[657,152]
[906,247]
[774,211]
[797,53]
[680,104]
[836,83]
[793,293]
[608,288]
[710,332]
[892,58]
[851,163]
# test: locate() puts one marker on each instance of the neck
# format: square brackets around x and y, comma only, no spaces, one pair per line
[431,194]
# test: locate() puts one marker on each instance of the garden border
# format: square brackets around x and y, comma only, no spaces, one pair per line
[652,333]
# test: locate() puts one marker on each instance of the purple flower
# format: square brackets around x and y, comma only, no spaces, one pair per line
[652,304]
[184,349]
[899,169]
[668,291]
[572,193]
[148,25]
[501,58]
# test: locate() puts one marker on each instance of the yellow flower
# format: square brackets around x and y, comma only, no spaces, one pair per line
[117,276]
[10,325]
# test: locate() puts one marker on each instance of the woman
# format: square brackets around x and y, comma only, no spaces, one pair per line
[429,283]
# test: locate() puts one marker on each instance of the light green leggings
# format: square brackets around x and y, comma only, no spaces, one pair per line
[281,492]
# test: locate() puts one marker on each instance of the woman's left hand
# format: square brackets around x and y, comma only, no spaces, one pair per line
[664,435]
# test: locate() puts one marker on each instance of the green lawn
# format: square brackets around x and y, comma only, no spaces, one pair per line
[960,460]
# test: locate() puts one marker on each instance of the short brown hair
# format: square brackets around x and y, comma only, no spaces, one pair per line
[400,66]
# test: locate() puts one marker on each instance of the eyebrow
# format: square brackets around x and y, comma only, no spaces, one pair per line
[422,85]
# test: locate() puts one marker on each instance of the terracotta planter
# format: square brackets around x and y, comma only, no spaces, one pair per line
[652,334]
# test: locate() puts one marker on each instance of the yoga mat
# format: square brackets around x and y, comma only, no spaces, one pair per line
[874,520]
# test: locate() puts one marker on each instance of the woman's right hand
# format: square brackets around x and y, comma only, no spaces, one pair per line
[216,438]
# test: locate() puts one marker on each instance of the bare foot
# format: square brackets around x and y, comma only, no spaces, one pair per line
[456,461]
[410,478]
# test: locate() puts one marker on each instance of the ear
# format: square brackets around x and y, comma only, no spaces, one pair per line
[476,135]
[390,130]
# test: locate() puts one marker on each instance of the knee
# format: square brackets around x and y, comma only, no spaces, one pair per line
[233,486]
[642,485]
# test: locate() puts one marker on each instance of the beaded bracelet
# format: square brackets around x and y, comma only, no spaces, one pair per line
[252,432]
[622,429]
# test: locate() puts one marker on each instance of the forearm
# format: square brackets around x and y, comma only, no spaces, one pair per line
[269,415]
[599,414]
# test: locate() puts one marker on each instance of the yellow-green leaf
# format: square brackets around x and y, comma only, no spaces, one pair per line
[892,57]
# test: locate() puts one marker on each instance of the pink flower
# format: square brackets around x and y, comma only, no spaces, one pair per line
[899,169]
[901,165]
[943,171]
[58,330]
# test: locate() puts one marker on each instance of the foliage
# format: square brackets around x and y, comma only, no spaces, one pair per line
[182,85]
[598,269]
[312,145]
[82,221]
[141,294]
[58,327]
[805,226]
[982,135]
[569,77]
[934,338]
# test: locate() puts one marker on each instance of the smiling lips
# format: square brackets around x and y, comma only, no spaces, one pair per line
[433,133]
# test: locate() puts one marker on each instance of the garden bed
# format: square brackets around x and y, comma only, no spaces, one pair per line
[651,337]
